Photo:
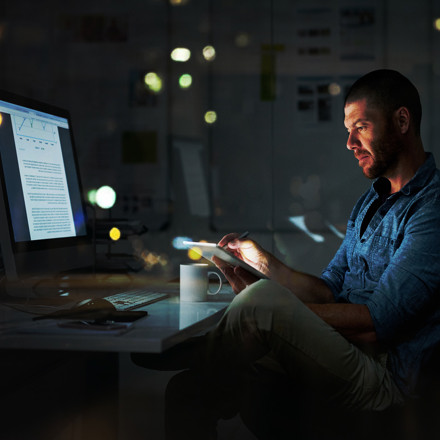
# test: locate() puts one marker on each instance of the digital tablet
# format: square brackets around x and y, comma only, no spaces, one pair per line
[209,250]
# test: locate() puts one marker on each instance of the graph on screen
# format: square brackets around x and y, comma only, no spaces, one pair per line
[36,129]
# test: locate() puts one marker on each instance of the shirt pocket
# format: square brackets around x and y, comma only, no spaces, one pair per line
[380,253]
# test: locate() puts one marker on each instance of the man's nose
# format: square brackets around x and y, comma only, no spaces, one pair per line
[352,141]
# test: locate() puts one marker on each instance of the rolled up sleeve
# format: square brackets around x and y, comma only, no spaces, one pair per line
[409,286]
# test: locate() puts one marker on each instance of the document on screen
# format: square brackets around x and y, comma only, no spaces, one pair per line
[43,177]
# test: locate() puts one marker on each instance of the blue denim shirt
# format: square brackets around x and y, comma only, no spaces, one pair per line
[394,269]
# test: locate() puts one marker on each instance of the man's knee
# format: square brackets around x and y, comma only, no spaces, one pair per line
[257,308]
[263,295]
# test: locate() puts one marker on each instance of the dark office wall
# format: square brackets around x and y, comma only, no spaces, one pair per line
[275,161]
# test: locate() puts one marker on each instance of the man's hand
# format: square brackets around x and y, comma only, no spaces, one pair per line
[248,251]
[238,277]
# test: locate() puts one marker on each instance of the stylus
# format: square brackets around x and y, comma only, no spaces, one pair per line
[240,237]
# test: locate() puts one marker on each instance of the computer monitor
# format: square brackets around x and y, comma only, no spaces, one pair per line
[43,220]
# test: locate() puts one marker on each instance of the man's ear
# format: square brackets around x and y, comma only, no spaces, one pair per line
[403,119]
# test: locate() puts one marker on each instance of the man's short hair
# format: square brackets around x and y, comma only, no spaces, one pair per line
[388,90]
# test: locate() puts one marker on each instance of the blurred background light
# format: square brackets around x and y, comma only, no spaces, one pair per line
[105,197]
[210,117]
[115,234]
[178,242]
[299,222]
[91,196]
[152,260]
[334,89]
[185,81]
[181,54]
[195,253]
[209,53]
[153,81]
[242,39]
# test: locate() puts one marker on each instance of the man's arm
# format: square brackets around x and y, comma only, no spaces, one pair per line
[307,288]
[353,321]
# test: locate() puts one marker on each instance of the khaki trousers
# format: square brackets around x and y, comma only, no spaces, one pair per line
[268,326]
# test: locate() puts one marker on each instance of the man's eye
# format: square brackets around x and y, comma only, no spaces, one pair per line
[361,128]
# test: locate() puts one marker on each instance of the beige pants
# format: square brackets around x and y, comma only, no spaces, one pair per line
[266,322]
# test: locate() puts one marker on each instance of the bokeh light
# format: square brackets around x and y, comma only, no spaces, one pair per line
[115,233]
[105,197]
[153,81]
[91,196]
[242,39]
[209,53]
[195,253]
[178,242]
[152,260]
[181,54]
[185,81]
[210,117]
[334,89]
[178,2]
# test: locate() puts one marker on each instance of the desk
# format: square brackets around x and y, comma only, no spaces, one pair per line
[85,367]
[168,323]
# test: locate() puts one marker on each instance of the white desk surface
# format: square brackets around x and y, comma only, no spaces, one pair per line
[168,323]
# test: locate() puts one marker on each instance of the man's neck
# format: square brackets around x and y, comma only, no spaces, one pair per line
[406,168]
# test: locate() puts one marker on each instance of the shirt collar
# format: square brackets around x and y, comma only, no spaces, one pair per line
[420,179]
[382,186]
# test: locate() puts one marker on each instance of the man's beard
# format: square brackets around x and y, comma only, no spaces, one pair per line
[386,151]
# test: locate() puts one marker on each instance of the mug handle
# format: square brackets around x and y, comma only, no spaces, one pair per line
[220,281]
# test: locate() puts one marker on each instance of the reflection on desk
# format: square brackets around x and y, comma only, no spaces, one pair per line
[169,322]
[190,313]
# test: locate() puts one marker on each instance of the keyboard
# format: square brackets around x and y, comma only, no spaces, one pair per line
[132,299]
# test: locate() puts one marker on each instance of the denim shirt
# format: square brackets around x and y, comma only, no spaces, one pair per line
[394,269]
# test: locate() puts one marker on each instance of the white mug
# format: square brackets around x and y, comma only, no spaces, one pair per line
[194,282]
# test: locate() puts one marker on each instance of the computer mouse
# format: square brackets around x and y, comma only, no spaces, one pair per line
[94,303]
[96,308]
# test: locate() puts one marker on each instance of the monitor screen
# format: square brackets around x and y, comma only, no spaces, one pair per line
[44,221]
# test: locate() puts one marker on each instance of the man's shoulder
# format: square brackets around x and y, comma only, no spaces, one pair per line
[432,187]
[436,177]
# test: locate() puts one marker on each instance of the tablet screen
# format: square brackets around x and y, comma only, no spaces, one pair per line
[209,250]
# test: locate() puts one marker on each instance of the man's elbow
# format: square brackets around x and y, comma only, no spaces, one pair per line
[361,338]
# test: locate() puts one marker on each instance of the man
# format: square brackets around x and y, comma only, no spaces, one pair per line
[359,335]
